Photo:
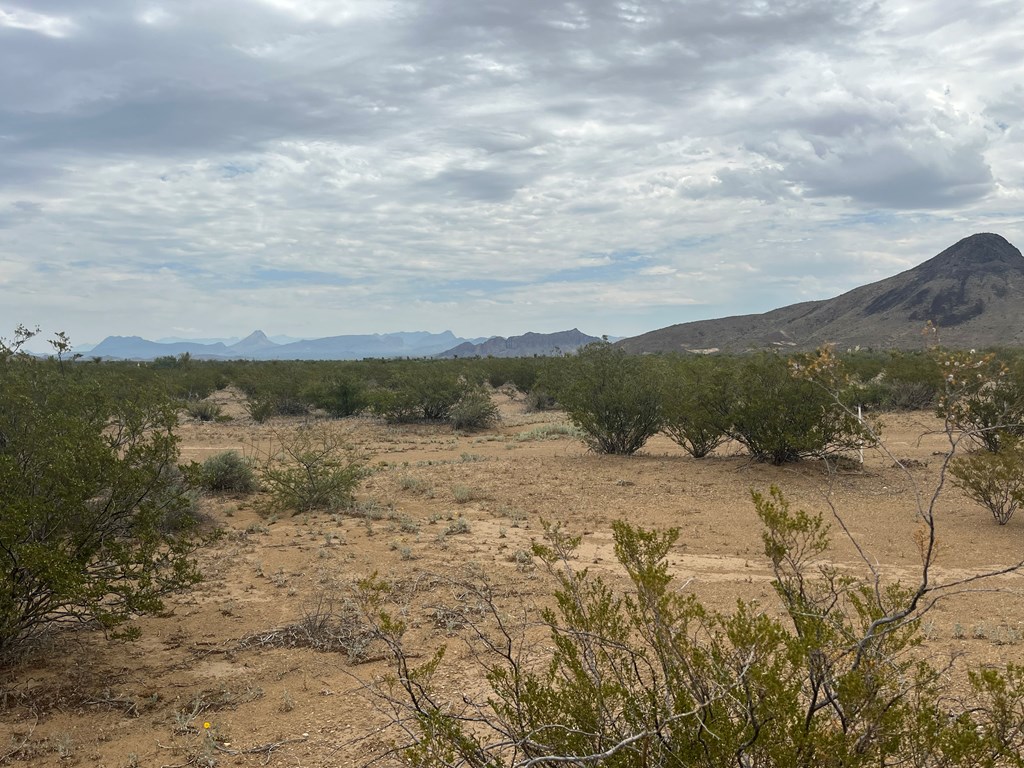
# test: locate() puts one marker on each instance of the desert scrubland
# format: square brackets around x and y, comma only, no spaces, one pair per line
[435,508]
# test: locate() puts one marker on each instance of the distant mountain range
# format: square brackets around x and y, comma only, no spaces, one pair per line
[972,294]
[257,346]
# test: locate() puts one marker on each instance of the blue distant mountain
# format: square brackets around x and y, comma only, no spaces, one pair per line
[257,346]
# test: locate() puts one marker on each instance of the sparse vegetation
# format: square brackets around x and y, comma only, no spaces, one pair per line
[654,678]
[414,484]
[473,581]
[547,432]
[463,494]
[457,526]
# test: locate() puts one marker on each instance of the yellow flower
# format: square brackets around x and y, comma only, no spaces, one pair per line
[206,726]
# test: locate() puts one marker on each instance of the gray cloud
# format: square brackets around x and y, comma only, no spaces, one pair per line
[159,156]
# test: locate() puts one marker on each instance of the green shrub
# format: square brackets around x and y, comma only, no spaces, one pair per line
[497,377]
[474,411]
[313,470]
[912,381]
[612,397]
[697,401]
[520,372]
[261,407]
[524,374]
[229,472]
[95,518]
[994,480]
[203,410]
[781,418]
[907,395]
[340,397]
[649,677]
[420,391]
[894,381]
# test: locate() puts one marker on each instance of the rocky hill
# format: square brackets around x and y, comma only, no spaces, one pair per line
[527,345]
[972,293]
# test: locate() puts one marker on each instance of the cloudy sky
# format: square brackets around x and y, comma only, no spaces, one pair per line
[201,168]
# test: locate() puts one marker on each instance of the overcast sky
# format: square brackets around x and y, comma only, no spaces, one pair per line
[320,167]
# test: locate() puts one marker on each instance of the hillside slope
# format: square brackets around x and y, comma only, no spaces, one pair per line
[973,292]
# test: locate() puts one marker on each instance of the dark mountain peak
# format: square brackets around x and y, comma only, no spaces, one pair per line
[954,287]
[976,254]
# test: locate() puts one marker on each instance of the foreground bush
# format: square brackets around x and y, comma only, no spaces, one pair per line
[613,398]
[650,677]
[95,518]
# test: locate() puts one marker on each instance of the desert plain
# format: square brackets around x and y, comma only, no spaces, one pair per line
[225,677]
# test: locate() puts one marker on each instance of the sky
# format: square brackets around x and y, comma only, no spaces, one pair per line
[323,167]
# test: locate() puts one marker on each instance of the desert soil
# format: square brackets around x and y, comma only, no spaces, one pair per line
[437,507]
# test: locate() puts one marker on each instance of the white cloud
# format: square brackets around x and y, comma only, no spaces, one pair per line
[50,26]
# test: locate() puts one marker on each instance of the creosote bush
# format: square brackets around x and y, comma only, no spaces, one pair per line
[697,399]
[313,470]
[228,472]
[420,391]
[781,417]
[96,521]
[339,397]
[982,396]
[994,480]
[651,677]
[474,411]
[613,398]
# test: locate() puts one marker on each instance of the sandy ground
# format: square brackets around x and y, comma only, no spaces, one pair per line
[436,506]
